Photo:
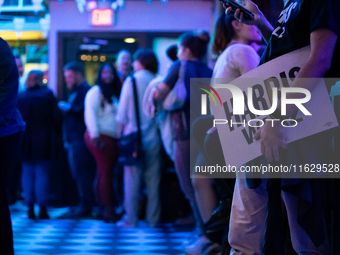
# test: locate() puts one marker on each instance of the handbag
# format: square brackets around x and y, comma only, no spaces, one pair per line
[178,95]
[130,150]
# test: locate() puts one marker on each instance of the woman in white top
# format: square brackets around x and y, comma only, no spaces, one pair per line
[101,104]
[145,66]
[232,43]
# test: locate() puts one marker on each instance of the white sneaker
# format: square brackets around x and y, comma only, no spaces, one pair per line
[196,247]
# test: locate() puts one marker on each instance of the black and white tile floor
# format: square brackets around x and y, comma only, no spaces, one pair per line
[91,237]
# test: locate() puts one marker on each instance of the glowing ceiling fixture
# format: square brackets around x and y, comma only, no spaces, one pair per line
[129,40]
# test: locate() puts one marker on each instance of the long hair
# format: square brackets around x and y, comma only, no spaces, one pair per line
[109,90]
[224,33]
[197,43]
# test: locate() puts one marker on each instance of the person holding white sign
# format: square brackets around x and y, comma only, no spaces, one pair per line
[301,23]
[232,42]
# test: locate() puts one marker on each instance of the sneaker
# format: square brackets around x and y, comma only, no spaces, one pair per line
[196,247]
[193,237]
[123,224]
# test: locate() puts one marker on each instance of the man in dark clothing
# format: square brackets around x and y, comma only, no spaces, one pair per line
[11,125]
[301,23]
[81,162]
[39,109]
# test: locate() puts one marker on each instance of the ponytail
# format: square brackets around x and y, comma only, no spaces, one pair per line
[224,33]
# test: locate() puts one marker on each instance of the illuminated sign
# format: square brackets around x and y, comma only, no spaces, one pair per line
[102,17]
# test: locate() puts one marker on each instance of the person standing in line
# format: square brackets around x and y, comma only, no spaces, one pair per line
[14,183]
[145,66]
[193,47]
[39,109]
[81,161]
[101,103]
[232,43]
[124,65]
[11,127]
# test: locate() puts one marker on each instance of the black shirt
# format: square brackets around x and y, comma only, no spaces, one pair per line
[295,24]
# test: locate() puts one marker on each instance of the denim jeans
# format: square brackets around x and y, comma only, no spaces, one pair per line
[36,179]
[83,168]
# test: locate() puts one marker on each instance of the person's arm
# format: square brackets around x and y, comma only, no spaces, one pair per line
[78,105]
[259,20]
[318,63]
[169,82]
[126,97]
[92,103]
[56,112]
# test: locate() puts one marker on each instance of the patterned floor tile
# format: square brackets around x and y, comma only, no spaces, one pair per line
[92,237]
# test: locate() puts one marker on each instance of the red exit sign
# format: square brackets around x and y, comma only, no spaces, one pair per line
[102,17]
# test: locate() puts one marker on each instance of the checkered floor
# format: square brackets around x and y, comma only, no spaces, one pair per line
[89,237]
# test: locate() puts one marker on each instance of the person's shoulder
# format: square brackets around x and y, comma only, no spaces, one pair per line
[93,91]
[241,47]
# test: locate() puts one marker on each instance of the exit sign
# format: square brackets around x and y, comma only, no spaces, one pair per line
[102,17]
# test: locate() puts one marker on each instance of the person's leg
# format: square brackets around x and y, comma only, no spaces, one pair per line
[8,149]
[247,219]
[132,181]
[182,167]
[106,158]
[43,170]
[301,242]
[28,182]
[152,176]
[205,196]
[82,166]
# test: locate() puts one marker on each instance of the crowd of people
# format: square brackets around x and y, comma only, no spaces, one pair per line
[231,215]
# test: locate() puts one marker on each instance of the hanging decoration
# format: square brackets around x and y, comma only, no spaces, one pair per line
[19,24]
[81,5]
[37,5]
[45,25]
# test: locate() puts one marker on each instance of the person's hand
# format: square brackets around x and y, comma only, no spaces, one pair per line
[97,142]
[249,5]
[272,138]
[64,106]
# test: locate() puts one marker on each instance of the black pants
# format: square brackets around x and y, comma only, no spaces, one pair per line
[8,151]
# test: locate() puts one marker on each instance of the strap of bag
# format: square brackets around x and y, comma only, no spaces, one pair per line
[135,96]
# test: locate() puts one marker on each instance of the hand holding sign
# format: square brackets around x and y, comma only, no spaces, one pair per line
[237,131]
[272,138]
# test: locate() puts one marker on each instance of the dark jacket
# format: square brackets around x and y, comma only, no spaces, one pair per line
[10,118]
[40,111]
[74,126]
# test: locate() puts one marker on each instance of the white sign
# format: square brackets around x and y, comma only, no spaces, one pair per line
[237,132]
